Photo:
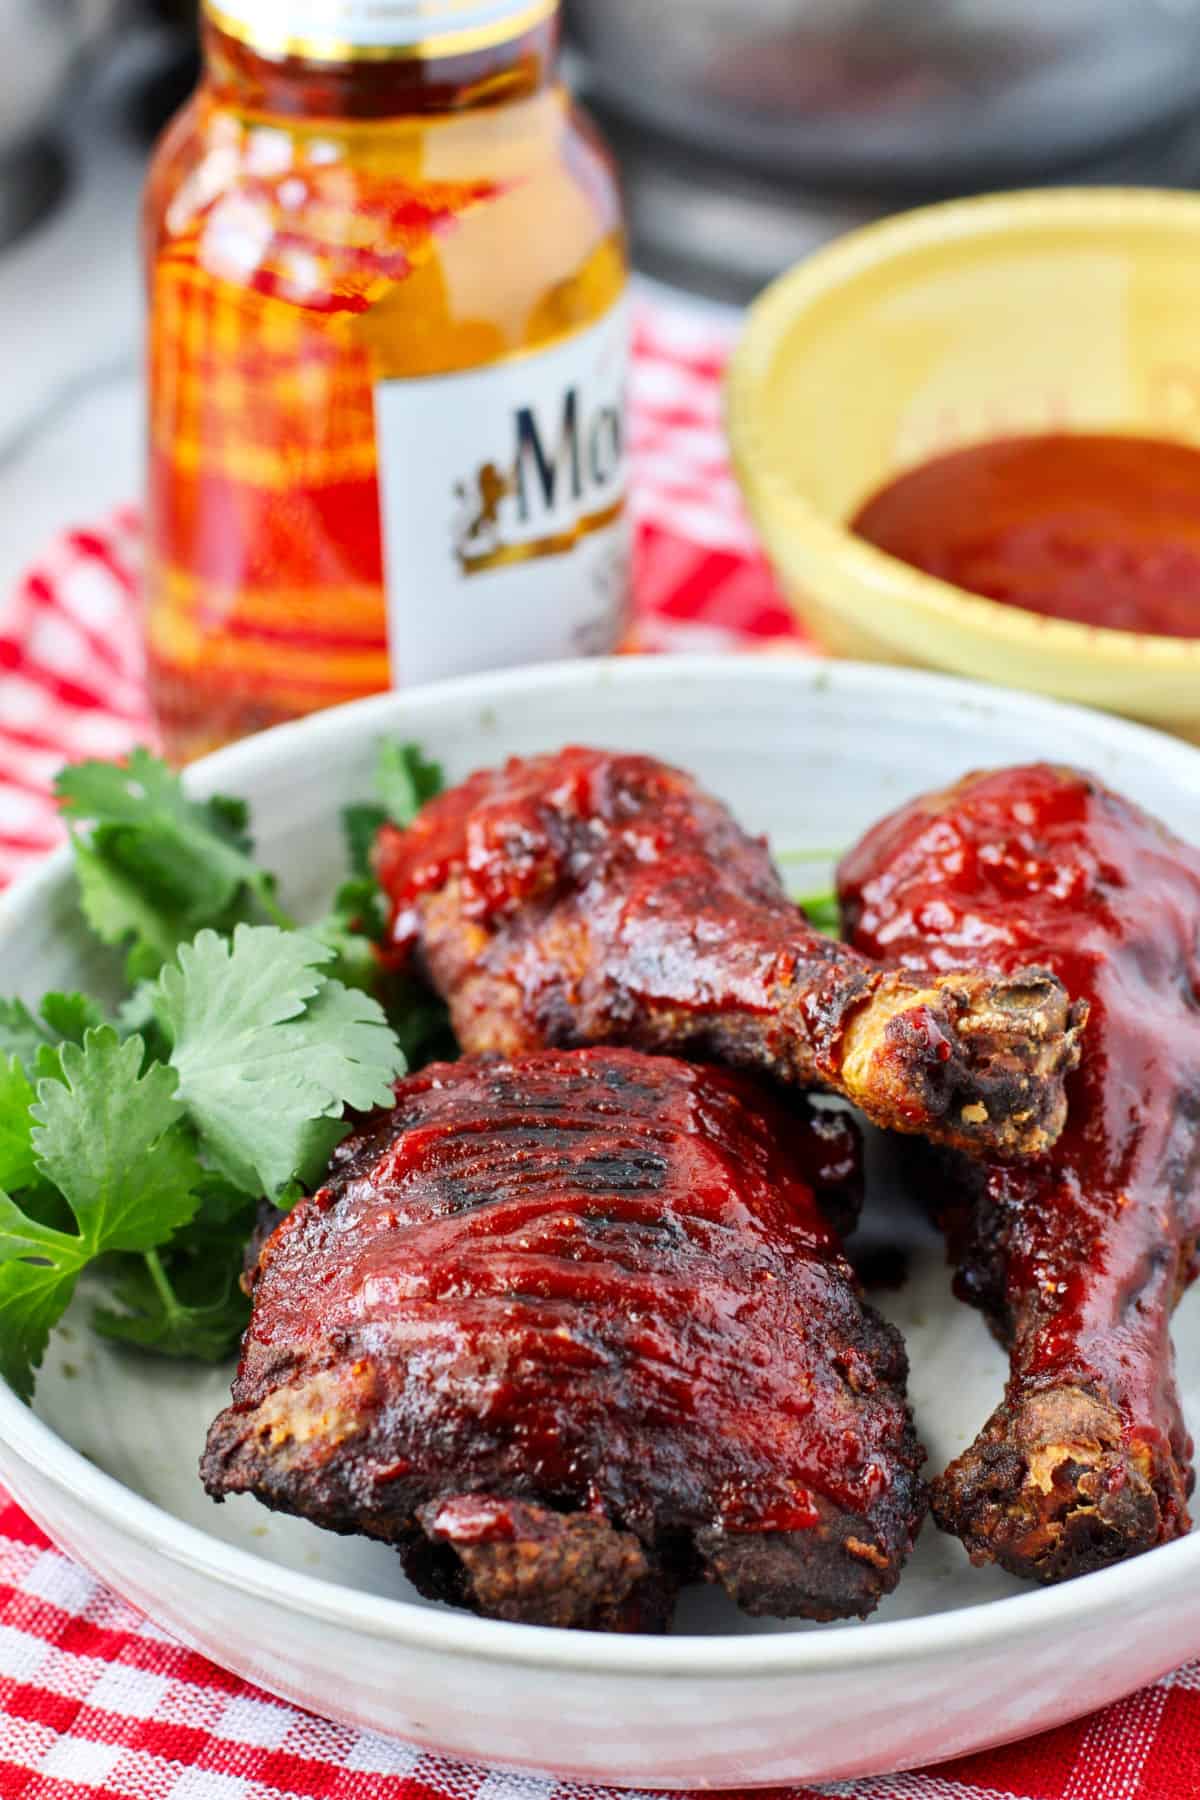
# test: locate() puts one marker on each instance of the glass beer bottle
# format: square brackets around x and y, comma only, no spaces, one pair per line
[387,356]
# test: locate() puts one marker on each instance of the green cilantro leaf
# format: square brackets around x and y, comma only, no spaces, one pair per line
[33,1298]
[71,1016]
[269,1053]
[222,1206]
[360,828]
[355,963]
[182,1302]
[20,1034]
[143,1149]
[43,1205]
[822,911]
[421,1022]
[363,907]
[185,1299]
[352,930]
[68,1017]
[110,1139]
[117,906]
[136,1017]
[22,1236]
[405,780]
[144,793]
[30,1040]
[154,865]
[18,1168]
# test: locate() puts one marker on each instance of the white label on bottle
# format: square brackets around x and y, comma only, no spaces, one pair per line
[506,538]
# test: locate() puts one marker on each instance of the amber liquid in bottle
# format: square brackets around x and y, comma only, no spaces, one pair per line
[319,233]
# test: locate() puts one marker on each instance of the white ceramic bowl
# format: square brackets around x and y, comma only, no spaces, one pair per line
[955,1660]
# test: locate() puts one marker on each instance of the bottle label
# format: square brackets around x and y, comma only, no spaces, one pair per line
[506,538]
[337,30]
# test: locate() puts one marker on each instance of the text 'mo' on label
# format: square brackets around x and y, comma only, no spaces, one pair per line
[503,495]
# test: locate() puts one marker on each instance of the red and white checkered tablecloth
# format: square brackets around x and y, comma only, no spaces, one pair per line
[96,1703]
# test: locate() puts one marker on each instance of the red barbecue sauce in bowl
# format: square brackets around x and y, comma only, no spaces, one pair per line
[1098,529]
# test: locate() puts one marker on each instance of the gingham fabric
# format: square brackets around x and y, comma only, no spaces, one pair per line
[96,1703]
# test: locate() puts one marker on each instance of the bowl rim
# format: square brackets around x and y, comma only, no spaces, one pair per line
[769,485]
[1149,1579]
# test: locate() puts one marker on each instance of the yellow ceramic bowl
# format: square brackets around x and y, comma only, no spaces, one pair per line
[1064,310]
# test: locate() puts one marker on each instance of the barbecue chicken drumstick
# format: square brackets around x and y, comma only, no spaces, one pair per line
[589,897]
[1078,1258]
[570,1329]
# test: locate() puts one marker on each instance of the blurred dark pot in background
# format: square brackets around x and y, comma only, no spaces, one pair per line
[936,93]
[45,42]
[46,46]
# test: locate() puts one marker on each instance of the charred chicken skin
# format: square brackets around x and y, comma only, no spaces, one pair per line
[590,898]
[1077,1259]
[569,1329]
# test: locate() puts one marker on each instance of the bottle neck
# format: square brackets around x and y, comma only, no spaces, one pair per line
[453,70]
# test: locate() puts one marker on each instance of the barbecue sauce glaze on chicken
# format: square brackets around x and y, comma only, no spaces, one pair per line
[593,896]
[1078,1256]
[571,1329]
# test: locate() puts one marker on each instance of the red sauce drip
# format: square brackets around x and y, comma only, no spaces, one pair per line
[1041,865]
[1099,530]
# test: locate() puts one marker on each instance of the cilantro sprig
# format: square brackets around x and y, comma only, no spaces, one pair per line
[356,928]
[820,907]
[138,1149]
[269,1052]
[822,910]
[109,1139]
[154,865]
[404,781]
